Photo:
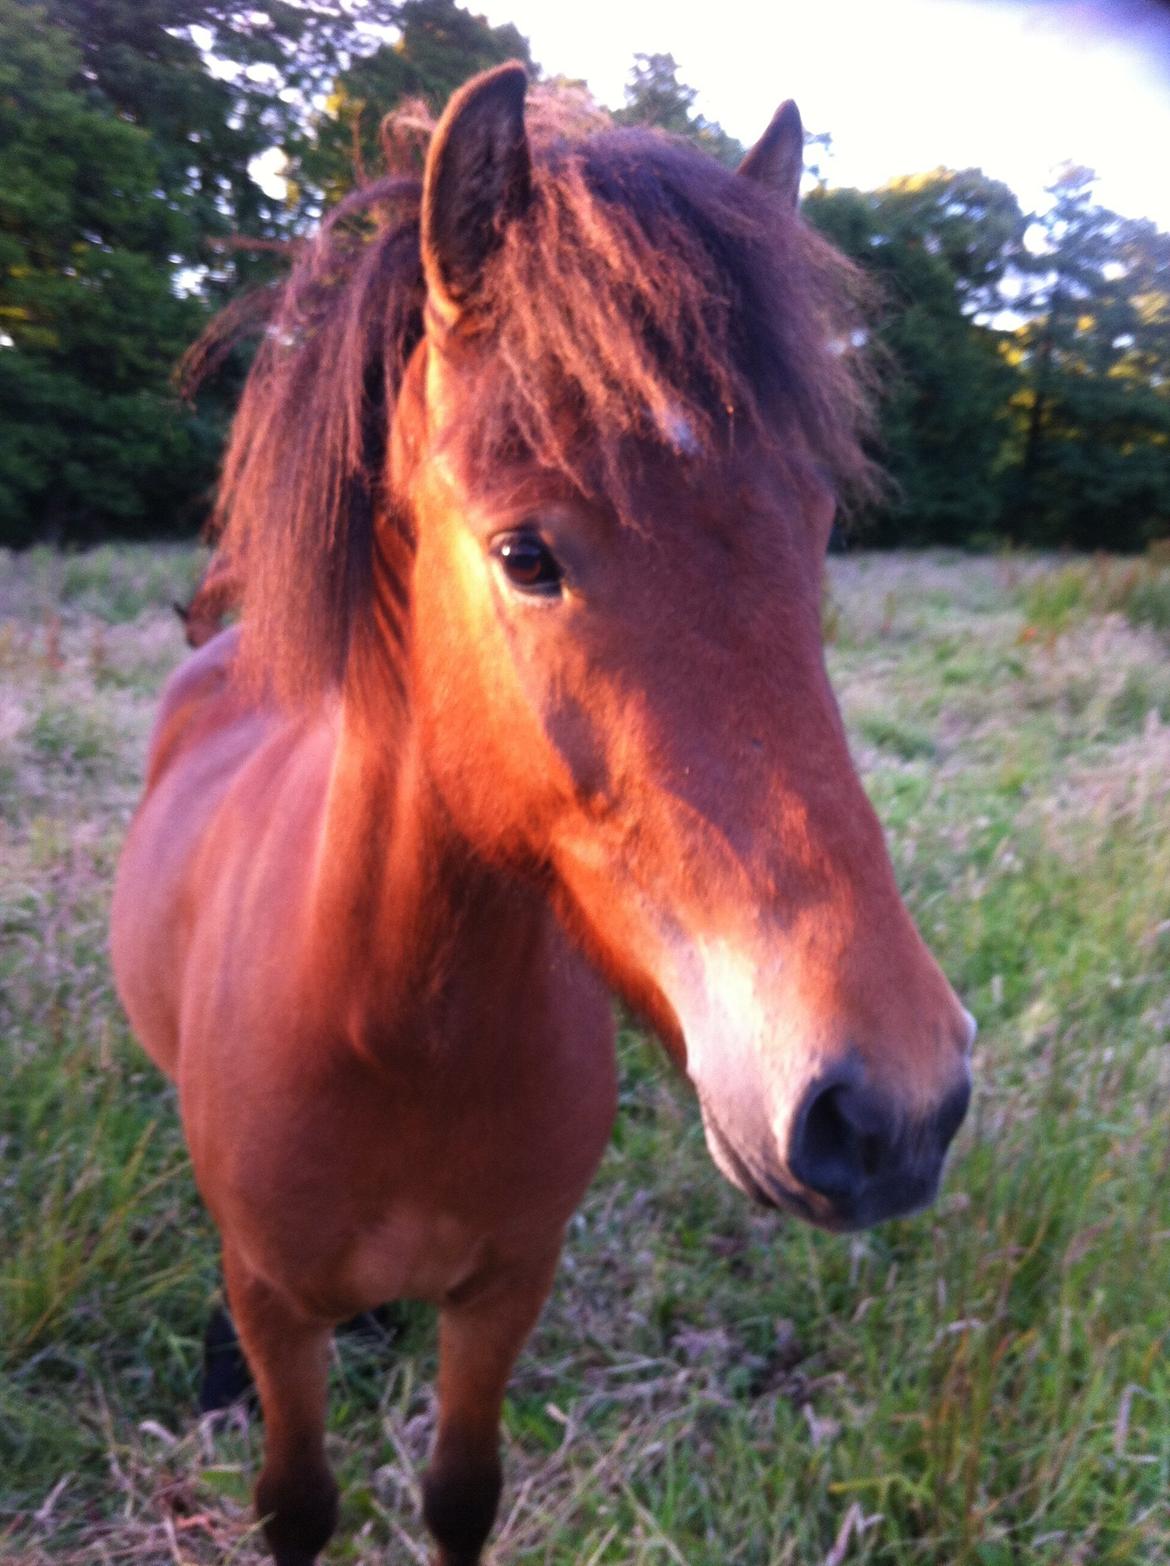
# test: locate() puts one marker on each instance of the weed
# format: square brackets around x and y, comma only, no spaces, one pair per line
[75,741]
[1052,602]
[1141,694]
[120,584]
[1148,601]
[903,739]
[1138,589]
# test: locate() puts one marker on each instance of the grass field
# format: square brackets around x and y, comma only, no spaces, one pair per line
[985,1383]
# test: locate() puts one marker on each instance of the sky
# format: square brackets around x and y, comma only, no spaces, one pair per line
[1015,87]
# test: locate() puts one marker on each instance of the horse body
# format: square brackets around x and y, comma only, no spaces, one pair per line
[422,1126]
[528,495]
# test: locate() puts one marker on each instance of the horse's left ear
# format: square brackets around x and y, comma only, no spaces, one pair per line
[777,159]
[478,176]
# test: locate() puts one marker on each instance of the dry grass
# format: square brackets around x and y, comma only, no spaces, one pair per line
[984,1384]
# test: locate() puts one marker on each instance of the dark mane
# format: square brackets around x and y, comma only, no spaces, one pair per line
[303,475]
[645,292]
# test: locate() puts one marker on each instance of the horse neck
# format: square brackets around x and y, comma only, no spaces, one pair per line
[373,882]
[405,916]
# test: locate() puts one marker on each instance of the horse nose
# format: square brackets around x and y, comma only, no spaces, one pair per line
[856,1150]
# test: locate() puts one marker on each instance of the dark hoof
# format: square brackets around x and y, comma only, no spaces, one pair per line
[299,1515]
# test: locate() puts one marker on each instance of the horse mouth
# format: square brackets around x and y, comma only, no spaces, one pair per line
[894,1197]
[766,1191]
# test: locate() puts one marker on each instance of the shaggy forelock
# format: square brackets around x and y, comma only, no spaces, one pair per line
[650,298]
[647,300]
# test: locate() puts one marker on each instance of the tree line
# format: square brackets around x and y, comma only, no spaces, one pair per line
[1026,358]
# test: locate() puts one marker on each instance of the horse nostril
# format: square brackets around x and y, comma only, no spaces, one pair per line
[850,1144]
[841,1140]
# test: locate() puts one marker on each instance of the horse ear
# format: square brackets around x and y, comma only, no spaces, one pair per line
[478,176]
[777,159]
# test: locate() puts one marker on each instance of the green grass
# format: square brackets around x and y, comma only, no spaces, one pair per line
[986,1383]
[1138,589]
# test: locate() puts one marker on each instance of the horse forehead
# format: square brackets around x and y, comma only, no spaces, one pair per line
[744,502]
[741,496]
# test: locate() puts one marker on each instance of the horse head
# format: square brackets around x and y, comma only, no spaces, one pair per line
[618,444]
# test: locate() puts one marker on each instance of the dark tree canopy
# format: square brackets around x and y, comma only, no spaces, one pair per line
[437,47]
[91,315]
[655,96]
[1092,454]
[935,255]
[1027,359]
[1029,383]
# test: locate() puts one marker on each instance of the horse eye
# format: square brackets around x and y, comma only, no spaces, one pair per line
[529,564]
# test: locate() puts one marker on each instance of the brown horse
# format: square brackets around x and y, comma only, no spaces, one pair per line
[528,495]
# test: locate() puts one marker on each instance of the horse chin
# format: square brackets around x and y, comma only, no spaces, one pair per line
[893,1198]
[765,1190]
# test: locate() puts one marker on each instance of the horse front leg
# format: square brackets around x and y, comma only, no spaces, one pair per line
[480,1335]
[288,1353]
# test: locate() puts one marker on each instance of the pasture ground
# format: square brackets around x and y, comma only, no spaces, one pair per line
[985,1383]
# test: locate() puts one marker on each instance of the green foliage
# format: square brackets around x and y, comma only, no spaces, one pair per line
[906,740]
[938,246]
[971,223]
[1028,385]
[1053,431]
[91,436]
[1053,602]
[655,96]
[128,208]
[1093,444]
[438,47]
[140,61]
[1137,589]
[1148,601]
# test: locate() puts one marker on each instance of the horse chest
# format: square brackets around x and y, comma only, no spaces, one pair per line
[412,1182]
[412,1253]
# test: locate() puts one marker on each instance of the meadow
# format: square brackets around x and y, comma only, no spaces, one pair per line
[984,1383]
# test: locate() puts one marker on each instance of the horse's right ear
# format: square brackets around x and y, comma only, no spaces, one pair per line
[777,159]
[478,176]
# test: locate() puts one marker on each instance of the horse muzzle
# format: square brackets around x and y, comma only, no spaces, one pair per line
[852,1158]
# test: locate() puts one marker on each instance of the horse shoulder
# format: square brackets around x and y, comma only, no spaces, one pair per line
[211,739]
[200,696]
